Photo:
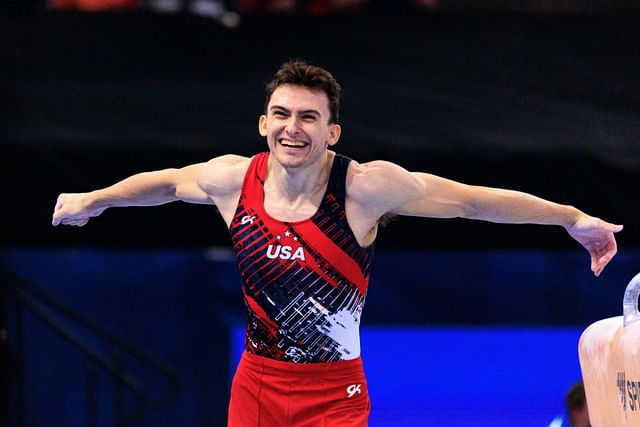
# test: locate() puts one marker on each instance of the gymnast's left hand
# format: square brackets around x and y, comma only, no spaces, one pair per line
[597,236]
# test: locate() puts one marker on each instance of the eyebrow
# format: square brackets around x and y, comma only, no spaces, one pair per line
[311,111]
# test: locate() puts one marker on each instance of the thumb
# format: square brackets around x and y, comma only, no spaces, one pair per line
[608,226]
[616,228]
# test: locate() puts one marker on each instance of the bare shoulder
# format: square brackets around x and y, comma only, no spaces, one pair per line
[378,181]
[375,189]
[224,174]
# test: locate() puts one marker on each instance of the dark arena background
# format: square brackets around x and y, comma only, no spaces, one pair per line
[136,319]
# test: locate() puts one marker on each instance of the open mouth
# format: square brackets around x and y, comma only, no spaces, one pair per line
[292,143]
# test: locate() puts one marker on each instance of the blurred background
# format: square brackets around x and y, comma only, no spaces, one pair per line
[136,319]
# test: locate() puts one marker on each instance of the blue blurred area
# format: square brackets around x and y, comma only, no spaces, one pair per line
[465,376]
[455,339]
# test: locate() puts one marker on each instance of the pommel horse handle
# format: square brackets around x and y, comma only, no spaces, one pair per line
[630,301]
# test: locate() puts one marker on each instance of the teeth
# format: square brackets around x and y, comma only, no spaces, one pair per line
[292,143]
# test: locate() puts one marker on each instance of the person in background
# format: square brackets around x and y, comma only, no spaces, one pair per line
[304,7]
[577,408]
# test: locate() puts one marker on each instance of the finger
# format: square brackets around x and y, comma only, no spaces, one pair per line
[599,263]
[68,221]
[599,266]
[59,203]
[595,268]
[56,211]
[56,218]
[77,222]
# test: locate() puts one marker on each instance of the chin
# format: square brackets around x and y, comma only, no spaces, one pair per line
[289,160]
[292,163]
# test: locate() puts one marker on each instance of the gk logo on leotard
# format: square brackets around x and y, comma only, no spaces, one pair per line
[247,219]
[353,389]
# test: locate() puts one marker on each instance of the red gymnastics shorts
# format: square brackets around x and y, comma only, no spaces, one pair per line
[271,393]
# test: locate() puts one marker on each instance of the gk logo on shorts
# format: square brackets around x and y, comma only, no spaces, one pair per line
[353,389]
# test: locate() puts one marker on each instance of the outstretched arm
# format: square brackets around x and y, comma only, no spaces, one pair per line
[143,189]
[448,198]
[425,195]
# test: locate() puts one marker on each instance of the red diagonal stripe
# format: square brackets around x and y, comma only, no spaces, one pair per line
[335,256]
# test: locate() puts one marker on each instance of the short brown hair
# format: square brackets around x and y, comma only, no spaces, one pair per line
[301,73]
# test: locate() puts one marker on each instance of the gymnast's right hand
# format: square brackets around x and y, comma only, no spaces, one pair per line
[74,209]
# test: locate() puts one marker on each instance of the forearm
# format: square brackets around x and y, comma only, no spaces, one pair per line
[143,189]
[433,196]
[507,206]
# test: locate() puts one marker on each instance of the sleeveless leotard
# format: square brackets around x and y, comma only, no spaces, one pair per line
[304,282]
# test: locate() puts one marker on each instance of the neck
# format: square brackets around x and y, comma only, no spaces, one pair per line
[295,182]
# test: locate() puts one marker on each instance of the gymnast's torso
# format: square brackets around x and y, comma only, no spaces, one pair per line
[304,282]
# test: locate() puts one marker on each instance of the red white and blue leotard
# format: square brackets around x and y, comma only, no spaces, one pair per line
[304,282]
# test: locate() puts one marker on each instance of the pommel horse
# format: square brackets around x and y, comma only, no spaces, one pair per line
[609,352]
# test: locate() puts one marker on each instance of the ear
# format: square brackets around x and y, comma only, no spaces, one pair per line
[334,133]
[262,125]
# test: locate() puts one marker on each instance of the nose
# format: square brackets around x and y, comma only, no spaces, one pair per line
[292,127]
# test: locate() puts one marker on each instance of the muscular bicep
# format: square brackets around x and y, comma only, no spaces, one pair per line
[211,182]
[222,180]
[384,188]
[186,184]
[378,189]
[436,197]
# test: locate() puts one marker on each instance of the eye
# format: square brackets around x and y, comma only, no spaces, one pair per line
[279,113]
[309,118]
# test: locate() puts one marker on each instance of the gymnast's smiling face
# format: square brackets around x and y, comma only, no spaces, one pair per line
[297,126]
